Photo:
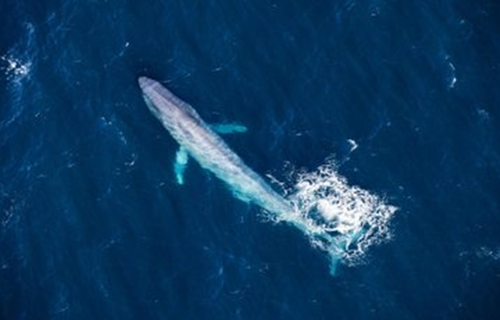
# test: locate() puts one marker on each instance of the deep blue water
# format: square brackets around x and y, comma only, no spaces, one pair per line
[93,225]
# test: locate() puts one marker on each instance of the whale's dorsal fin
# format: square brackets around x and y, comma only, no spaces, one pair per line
[224,128]
[182,157]
[181,160]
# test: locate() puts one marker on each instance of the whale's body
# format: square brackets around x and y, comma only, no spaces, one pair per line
[204,145]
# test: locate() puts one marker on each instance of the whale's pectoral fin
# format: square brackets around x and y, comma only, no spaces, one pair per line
[181,160]
[224,128]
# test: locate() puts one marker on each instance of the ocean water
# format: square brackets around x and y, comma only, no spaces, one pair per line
[382,113]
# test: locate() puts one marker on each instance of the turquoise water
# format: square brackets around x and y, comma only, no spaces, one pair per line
[344,101]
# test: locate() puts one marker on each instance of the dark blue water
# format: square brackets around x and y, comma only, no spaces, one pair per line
[93,225]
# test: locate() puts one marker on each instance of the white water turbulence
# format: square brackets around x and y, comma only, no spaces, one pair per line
[337,218]
[340,219]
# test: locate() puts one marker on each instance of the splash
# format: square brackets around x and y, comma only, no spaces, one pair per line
[340,219]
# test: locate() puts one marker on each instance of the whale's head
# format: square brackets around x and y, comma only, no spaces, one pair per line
[169,109]
[156,97]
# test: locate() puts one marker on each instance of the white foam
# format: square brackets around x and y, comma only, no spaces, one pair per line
[353,145]
[15,68]
[341,219]
[16,63]
[451,73]
[453,78]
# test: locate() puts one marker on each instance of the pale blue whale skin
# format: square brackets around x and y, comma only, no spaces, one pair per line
[200,142]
